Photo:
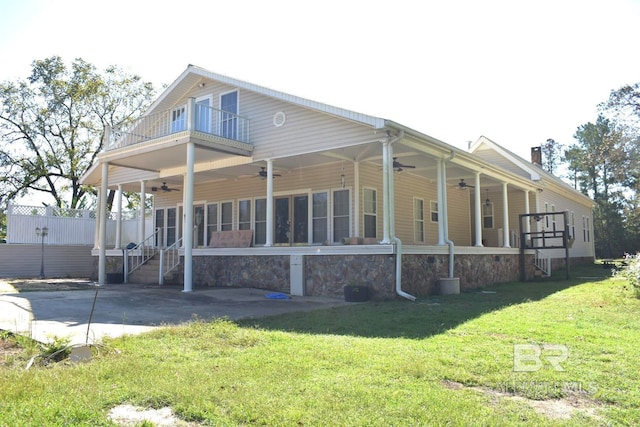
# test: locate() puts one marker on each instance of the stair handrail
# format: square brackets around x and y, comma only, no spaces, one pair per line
[543,262]
[136,256]
[172,256]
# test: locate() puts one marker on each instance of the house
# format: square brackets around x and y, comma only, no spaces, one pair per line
[297,196]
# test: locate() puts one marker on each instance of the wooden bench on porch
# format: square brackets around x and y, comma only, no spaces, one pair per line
[231,239]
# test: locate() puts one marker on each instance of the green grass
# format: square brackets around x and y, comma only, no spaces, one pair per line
[440,361]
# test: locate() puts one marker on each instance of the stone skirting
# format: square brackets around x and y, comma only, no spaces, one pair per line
[325,275]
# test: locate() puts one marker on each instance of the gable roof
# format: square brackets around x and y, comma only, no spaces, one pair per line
[536,173]
[198,72]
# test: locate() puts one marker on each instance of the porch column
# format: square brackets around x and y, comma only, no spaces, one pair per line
[102,207]
[269,239]
[119,219]
[96,232]
[392,192]
[505,217]
[356,198]
[441,188]
[477,205]
[188,218]
[191,114]
[386,201]
[527,225]
[143,196]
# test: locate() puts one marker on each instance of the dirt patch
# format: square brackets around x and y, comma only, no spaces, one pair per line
[39,285]
[557,409]
[128,415]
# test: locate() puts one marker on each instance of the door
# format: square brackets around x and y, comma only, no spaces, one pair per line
[292,220]
[166,225]
[199,225]
[203,115]
[229,115]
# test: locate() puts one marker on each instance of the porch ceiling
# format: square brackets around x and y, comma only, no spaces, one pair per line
[167,165]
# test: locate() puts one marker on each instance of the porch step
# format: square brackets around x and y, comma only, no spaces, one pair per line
[147,274]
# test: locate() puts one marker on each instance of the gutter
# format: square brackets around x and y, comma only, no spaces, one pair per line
[445,213]
[390,207]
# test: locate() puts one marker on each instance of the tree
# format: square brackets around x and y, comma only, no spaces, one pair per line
[551,155]
[52,126]
[600,161]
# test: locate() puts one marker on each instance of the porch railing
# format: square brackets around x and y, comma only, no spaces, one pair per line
[169,259]
[543,263]
[190,117]
[136,256]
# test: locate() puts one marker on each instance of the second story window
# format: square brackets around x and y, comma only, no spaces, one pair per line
[178,119]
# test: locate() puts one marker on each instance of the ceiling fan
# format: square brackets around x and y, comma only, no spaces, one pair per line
[263,173]
[164,188]
[398,167]
[462,185]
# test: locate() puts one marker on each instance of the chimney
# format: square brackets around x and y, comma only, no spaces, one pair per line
[536,156]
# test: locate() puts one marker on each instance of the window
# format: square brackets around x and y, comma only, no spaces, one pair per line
[572,221]
[260,228]
[244,215]
[212,219]
[418,220]
[369,212]
[226,216]
[340,215]
[178,119]
[320,220]
[546,217]
[171,226]
[587,230]
[553,219]
[229,115]
[433,207]
[487,215]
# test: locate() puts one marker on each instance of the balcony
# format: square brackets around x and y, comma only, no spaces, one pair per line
[195,119]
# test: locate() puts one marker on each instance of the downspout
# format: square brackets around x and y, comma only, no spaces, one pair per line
[391,212]
[445,213]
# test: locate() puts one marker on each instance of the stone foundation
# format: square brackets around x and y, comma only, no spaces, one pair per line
[325,275]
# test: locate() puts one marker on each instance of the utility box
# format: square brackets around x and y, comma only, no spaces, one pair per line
[296,273]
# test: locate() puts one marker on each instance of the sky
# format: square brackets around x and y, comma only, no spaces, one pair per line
[518,72]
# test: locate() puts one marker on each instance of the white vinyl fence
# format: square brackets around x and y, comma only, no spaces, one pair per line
[68,226]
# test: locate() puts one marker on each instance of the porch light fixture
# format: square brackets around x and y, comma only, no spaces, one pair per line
[487,202]
[42,232]
[201,85]
[342,180]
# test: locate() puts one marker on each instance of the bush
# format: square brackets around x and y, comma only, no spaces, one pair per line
[631,272]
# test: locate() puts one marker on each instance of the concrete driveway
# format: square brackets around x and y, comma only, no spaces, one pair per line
[132,309]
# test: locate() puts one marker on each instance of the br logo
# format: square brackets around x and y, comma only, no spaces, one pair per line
[529,357]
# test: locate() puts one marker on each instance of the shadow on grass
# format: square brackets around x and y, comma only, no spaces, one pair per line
[427,316]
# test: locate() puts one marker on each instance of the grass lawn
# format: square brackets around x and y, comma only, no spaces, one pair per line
[562,352]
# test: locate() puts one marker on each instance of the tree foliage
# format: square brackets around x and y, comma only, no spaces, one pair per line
[551,155]
[605,164]
[52,126]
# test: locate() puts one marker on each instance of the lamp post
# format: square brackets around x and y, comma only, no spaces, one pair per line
[42,233]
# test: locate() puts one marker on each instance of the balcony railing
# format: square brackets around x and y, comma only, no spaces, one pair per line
[189,117]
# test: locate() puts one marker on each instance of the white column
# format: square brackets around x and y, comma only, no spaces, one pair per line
[188,218]
[386,202]
[102,208]
[356,198]
[119,219]
[143,196]
[270,225]
[96,233]
[505,215]
[527,225]
[477,205]
[392,194]
[441,188]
